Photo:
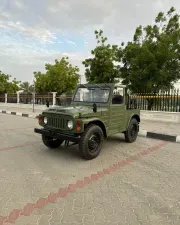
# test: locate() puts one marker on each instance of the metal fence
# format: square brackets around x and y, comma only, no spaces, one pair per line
[2,98]
[63,100]
[25,98]
[40,99]
[12,98]
[163,101]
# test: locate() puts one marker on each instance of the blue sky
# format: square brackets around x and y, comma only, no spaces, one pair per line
[61,42]
[69,42]
[33,32]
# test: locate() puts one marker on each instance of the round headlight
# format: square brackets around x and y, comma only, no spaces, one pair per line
[70,124]
[45,120]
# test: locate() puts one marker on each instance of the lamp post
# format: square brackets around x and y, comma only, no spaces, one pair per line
[33,94]
[80,80]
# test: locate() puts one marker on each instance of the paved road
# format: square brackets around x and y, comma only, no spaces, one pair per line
[127,184]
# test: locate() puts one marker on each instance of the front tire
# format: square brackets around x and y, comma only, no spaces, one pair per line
[132,132]
[50,142]
[91,142]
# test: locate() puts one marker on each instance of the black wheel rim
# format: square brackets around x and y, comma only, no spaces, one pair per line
[133,131]
[94,142]
[51,139]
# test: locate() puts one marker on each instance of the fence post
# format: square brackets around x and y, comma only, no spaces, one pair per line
[17,97]
[34,100]
[6,97]
[54,98]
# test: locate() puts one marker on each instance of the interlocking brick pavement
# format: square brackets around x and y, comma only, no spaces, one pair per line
[136,184]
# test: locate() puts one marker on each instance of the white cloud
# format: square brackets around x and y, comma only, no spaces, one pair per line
[24,61]
[71,42]
[20,4]
[44,35]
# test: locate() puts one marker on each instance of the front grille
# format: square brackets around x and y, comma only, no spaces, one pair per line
[57,121]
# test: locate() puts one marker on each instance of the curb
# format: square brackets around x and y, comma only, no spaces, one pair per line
[19,114]
[159,136]
[142,133]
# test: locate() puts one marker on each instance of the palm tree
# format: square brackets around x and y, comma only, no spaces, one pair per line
[26,87]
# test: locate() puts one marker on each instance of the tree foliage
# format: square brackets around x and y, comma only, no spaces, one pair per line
[7,86]
[152,60]
[26,87]
[101,68]
[60,77]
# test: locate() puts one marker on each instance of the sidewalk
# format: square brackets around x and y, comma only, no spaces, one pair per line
[161,127]
[146,126]
[22,110]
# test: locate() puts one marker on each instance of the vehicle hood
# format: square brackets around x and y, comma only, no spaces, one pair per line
[76,111]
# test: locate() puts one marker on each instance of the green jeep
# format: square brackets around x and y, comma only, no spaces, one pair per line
[97,111]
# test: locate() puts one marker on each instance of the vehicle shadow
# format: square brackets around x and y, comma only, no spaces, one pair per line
[73,151]
[116,139]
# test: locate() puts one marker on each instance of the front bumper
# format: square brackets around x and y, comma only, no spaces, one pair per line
[56,134]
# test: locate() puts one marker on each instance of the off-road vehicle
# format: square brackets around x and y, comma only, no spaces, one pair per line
[97,111]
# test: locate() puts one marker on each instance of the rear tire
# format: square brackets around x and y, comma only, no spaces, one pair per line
[132,132]
[91,142]
[50,142]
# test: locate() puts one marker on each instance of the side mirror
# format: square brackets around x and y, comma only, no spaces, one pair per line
[94,108]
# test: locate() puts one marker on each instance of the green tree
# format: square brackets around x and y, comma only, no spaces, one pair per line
[7,86]
[151,62]
[60,77]
[4,78]
[101,68]
[13,86]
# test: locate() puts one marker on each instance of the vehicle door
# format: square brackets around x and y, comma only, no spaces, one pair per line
[117,112]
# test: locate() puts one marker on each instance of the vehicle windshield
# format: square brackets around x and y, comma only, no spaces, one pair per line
[93,94]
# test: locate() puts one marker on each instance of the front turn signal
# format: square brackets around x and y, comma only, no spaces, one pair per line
[41,120]
[78,126]
[78,129]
